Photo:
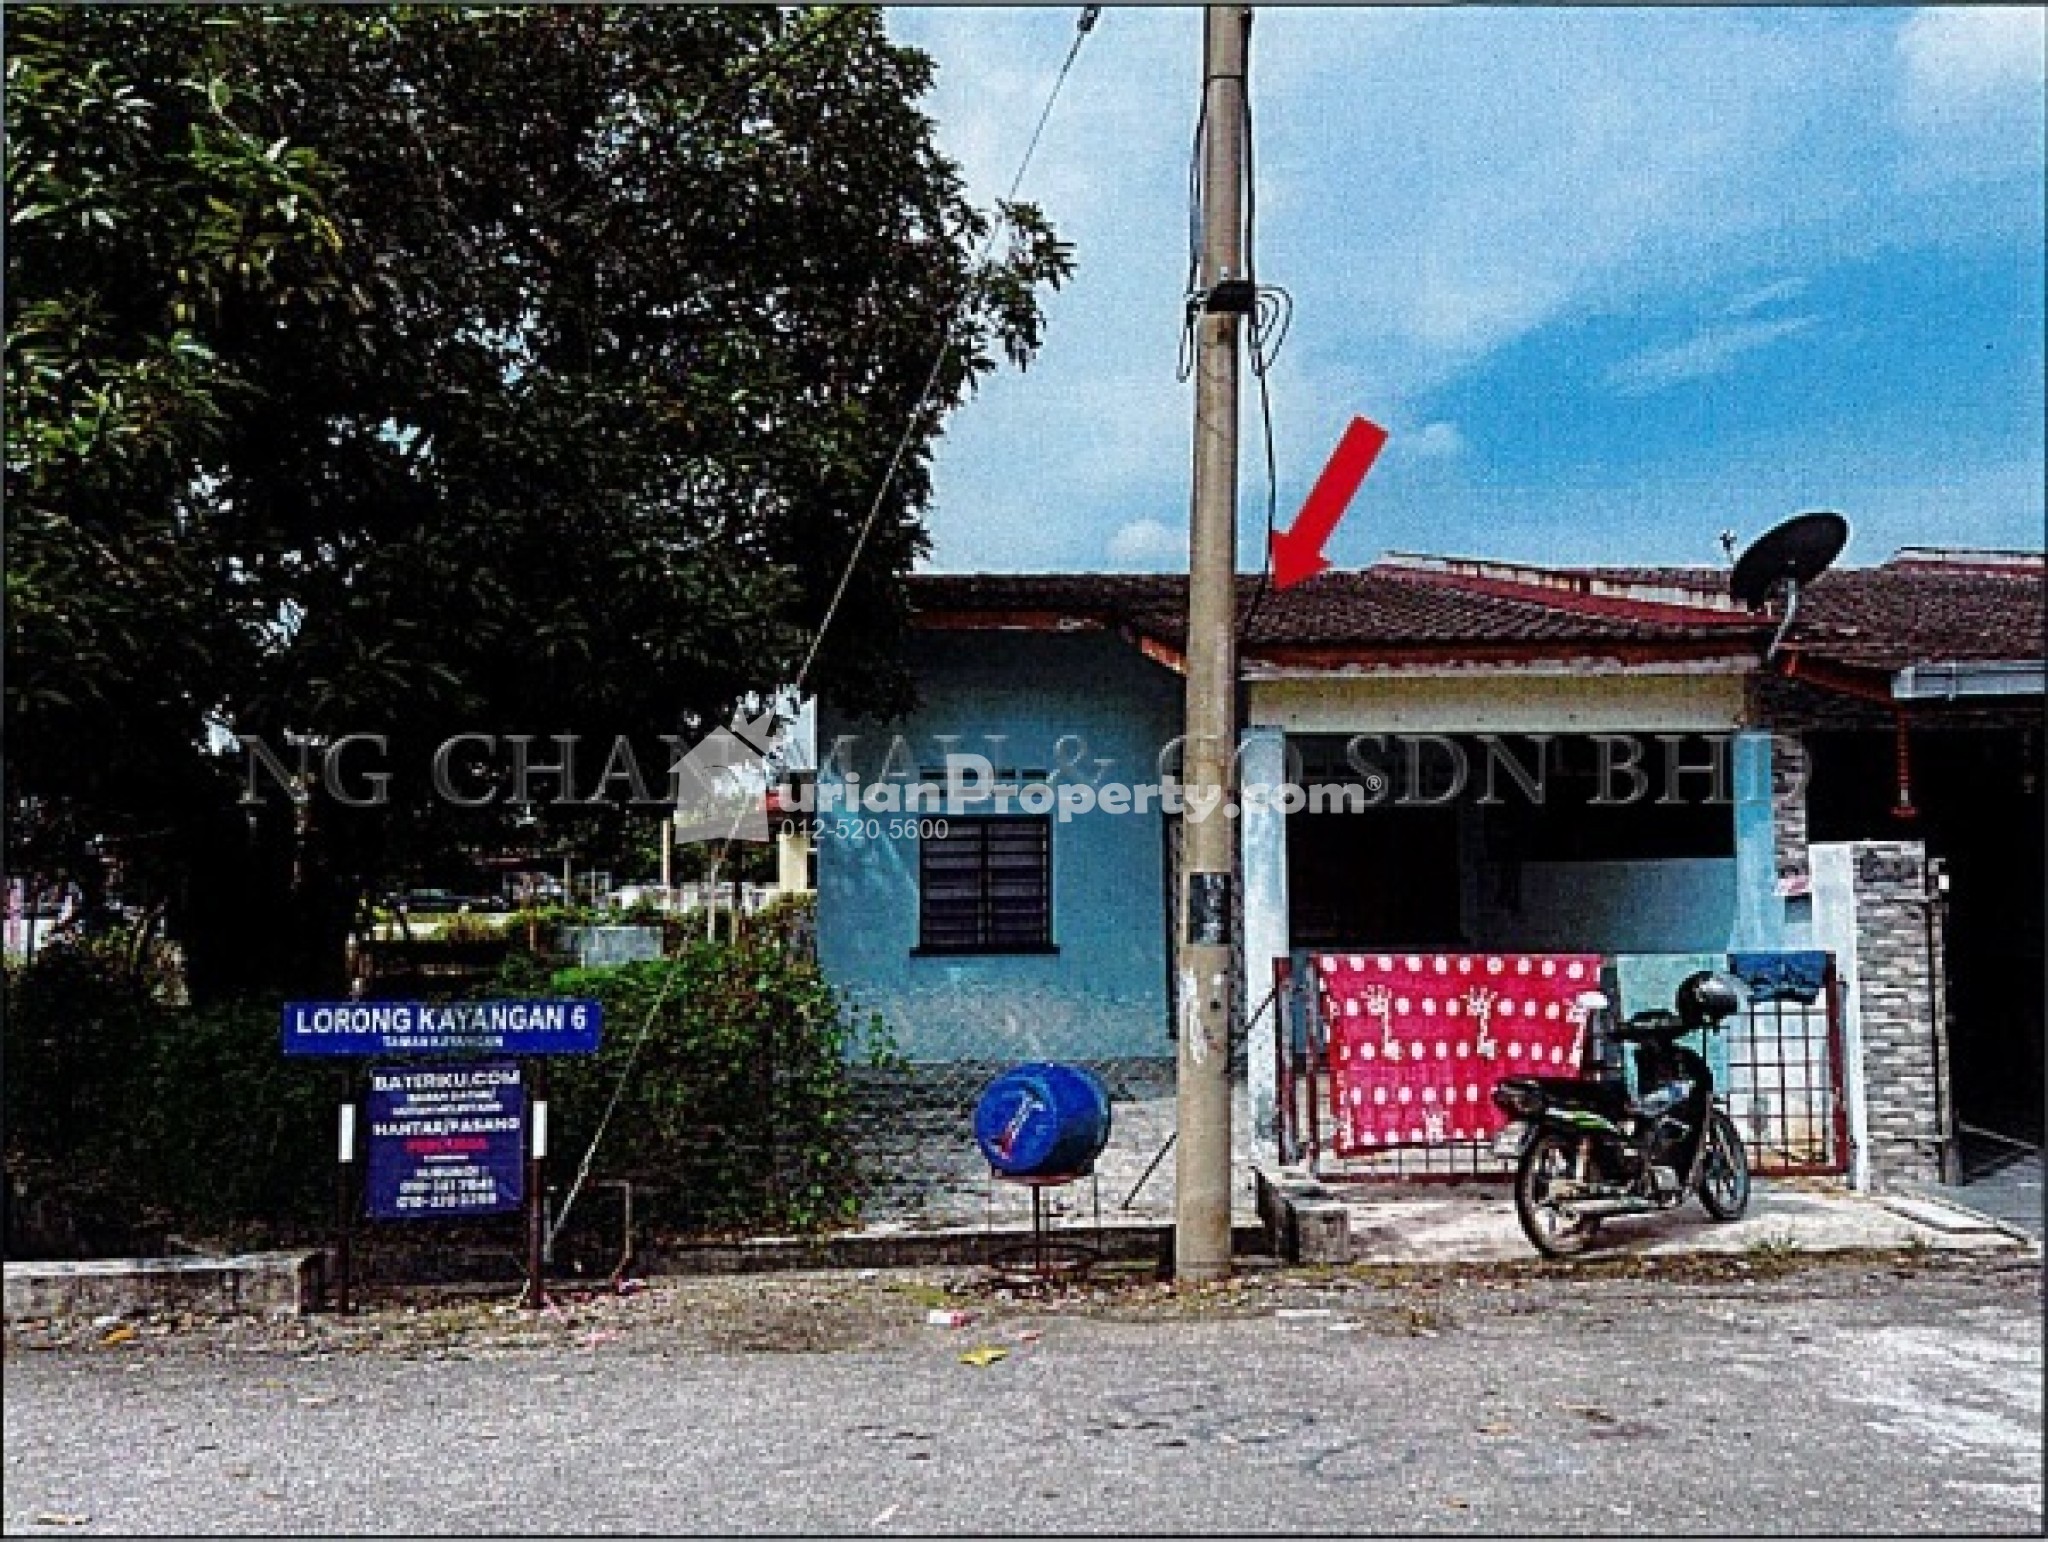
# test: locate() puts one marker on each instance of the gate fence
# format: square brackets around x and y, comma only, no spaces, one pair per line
[1778,1069]
[921,1169]
[1785,1082]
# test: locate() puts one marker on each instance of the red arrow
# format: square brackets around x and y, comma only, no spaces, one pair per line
[1298,553]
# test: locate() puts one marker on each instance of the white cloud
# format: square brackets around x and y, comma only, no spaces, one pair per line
[1451,184]
[1706,353]
[1148,543]
[1970,99]
[1437,441]
[1960,59]
[1770,294]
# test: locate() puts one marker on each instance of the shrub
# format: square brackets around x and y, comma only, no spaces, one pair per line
[551,918]
[128,1116]
[238,1140]
[791,922]
[469,928]
[644,911]
[735,1093]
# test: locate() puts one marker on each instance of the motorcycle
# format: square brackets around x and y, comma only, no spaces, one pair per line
[1587,1151]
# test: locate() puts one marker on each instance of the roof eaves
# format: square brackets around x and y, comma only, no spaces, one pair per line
[1650,655]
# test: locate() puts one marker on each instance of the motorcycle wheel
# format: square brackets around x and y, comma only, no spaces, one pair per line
[1724,1177]
[1549,1158]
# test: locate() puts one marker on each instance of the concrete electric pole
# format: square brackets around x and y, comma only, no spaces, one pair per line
[1204,976]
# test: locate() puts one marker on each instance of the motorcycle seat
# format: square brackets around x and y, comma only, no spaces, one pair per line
[1650,1028]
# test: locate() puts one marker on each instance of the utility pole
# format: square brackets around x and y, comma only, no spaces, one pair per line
[1205,966]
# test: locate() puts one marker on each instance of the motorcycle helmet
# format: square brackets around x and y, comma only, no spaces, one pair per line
[1705,998]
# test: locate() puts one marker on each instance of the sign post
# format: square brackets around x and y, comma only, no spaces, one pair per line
[437,1028]
[536,1195]
[344,1190]
[445,1138]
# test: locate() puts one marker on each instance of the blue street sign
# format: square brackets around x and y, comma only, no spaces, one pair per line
[424,1027]
[446,1140]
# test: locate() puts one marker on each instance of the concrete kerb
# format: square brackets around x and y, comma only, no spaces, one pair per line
[1307,1224]
[1317,1222]
[1948,1215]
[1118,1242]
[268,1284]
[263,1284]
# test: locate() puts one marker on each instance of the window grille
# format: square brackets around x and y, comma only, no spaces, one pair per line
[985,885]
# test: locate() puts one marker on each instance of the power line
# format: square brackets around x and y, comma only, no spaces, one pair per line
[1086,25]
[1271,319]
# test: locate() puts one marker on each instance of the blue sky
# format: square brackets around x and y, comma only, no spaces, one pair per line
[1615,280]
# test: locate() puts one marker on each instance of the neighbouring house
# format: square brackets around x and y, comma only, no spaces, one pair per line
[1494,756]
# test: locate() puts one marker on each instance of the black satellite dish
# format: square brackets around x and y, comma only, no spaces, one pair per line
[1783,559]
[1794,553]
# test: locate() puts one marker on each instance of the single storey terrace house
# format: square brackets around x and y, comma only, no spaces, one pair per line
[1491,756]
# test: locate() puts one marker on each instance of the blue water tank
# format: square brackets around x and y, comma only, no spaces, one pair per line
[1043,1120]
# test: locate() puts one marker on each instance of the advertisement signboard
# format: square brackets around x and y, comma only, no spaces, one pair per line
[446,1141]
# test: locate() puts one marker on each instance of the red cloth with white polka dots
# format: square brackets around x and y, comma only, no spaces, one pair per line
[1418,1040]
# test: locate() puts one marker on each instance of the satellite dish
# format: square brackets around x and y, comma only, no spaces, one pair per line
[1794,553]
[1783,559]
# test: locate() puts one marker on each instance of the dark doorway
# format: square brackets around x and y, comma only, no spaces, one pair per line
[1978,801]
[1431,853]
[1387,877]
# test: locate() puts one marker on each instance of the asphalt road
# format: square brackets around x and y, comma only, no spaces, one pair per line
[1854,1399]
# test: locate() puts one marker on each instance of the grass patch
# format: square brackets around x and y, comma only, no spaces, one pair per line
[924,1294]
[1774,1255]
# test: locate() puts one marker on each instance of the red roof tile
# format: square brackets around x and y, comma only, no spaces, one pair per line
[1919,608]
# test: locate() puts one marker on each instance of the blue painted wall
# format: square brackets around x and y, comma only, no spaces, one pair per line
[1103,994]
[1760,915]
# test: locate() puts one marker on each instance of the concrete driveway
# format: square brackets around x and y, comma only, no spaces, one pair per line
[1475,1223]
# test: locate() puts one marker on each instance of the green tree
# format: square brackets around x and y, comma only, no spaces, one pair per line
[417,370]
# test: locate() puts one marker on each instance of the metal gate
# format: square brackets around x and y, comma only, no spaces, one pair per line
[1783,1087]
[1308,1089]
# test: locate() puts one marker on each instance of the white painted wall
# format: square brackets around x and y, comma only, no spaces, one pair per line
[1834,929]
[1262,851]
[1500,701]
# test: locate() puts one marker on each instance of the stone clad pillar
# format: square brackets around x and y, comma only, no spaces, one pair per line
[1905,1040]
[1899,1034]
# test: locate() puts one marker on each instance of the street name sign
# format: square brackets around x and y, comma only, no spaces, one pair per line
[423,1027]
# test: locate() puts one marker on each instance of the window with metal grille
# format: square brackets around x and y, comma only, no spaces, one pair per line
[985,886]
